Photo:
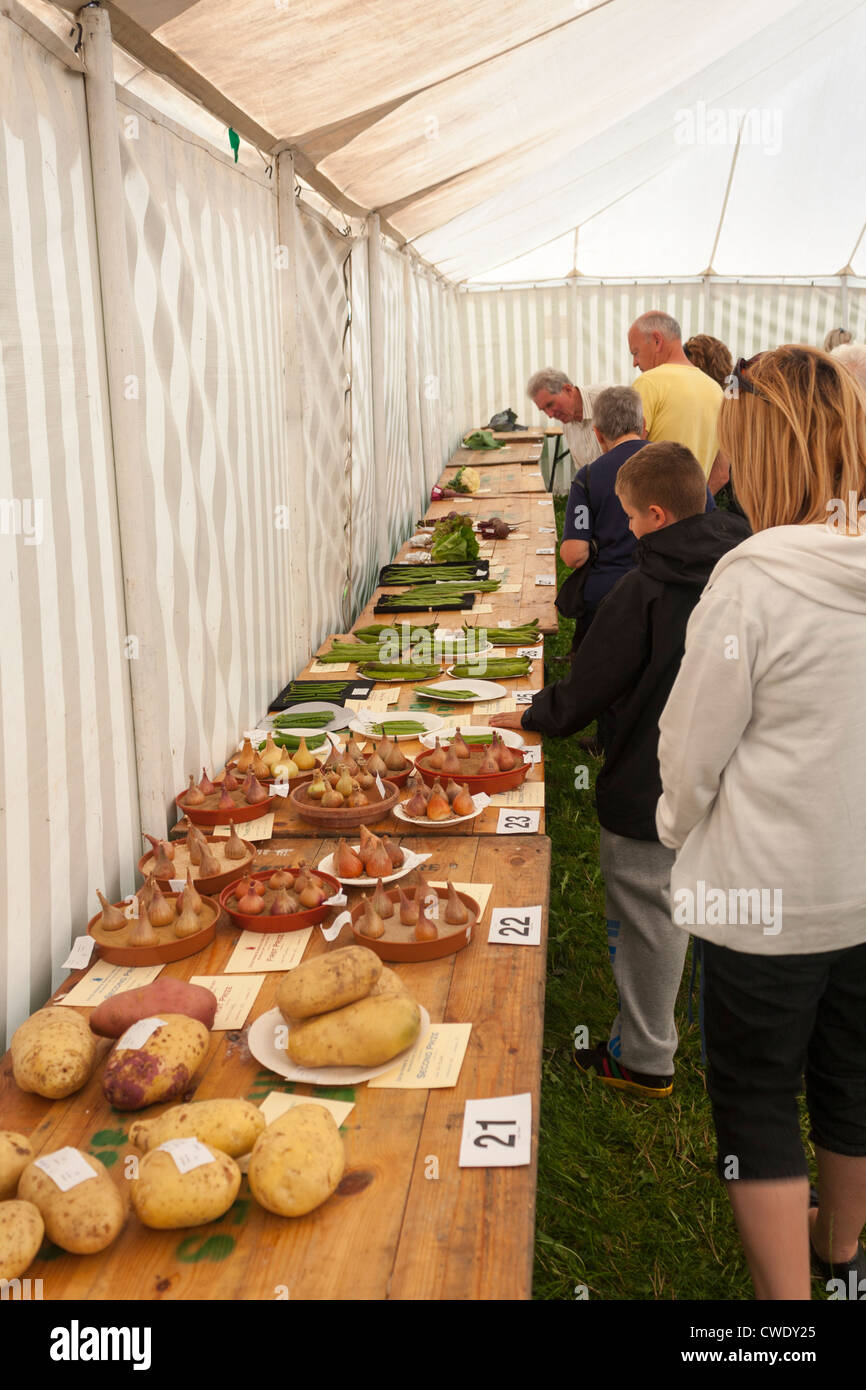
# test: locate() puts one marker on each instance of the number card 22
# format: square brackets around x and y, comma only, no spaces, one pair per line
[497,1133]
[516,926]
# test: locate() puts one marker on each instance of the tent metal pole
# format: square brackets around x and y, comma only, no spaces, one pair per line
[844,300]
[295,472]
[377,374]
[127,407]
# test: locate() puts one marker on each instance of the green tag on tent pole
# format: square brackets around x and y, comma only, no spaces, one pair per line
[235,142]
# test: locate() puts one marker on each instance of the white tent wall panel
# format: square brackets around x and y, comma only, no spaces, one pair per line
[69,822]
[324,304]
[508,334]
[201,238]
[365,569]
[400,471]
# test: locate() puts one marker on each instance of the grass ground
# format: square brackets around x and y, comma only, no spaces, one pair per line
[628,1201]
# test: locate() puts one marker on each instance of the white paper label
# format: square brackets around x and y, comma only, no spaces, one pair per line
[534,653]
[546,550]
[333,931]
[66,1168]
[338,900]
[380,786]
[187,1153]
[505,622]
[546,503]
[177,885]
[523,697]
[79,956]
[516,926]
[517,822]
[544,579]
[497,1133]
[138,1034]
[532,753]
[547,530]
[280,788]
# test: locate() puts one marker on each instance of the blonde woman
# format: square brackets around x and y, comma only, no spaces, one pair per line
[762,751]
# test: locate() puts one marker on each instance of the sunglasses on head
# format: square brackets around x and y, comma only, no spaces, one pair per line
[737,380]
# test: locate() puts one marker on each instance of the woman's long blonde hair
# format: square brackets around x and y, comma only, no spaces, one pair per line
[797,446]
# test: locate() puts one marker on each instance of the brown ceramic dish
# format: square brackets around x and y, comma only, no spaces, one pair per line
[490,783]
[398,944]
[343,817]
[208,814]
[234,868]
[114,948]
[290,921]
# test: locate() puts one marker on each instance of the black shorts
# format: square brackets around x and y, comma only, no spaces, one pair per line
[770,1021]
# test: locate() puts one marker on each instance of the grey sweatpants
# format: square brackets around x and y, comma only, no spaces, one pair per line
[647,951]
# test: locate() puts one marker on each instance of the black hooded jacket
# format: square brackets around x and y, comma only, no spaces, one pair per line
[628,662]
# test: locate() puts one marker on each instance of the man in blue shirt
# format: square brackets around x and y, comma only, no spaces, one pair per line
[594,512]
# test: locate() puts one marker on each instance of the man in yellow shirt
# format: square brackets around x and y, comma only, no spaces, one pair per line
[680,402]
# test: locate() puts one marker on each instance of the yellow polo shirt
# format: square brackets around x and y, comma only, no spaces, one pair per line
[682,404]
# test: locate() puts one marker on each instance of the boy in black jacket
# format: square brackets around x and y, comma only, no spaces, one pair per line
[628,662]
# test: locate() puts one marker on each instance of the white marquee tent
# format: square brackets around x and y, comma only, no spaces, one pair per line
[227,384]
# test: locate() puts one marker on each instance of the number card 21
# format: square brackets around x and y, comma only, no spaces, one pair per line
[516,926]
[497,1133]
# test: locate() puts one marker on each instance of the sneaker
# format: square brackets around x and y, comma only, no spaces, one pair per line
[598,1061]
[843,1269]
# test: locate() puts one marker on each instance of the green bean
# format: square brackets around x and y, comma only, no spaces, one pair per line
[310,720]
[293,741]
[503,666]
[395,671]
[446,694]
[392,727]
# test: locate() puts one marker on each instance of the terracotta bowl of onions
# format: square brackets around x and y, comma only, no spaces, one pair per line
[213,861]
[290,898]
[492,769]
[402,925]
[234,800]
[167,927]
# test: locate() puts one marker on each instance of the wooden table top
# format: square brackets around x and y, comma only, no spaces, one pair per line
[535,432]
[526,451]
[500,482]
[392,1230]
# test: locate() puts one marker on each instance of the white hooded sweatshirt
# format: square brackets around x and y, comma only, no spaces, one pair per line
[763,749]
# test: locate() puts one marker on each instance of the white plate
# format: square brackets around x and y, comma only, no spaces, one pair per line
[262,1044]
[411,860]
[340,717]
[365,718]
[397,680]
[483,690]
[479,801]
[510,737]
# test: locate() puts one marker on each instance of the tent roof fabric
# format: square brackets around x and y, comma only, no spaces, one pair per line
[596,137]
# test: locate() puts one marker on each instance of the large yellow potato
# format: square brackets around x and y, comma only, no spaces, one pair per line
[328,982]
[86,1218]
[232,1126]
[16,1152]
[298,1161]
[363,1034]
[166,1199]
[161,1068]
[21,1231]
[53,1053]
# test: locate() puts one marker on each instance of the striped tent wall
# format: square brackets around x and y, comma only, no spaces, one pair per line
[201,237]
[365,570]
[506,335]
[69,821]
[400,500]
[324,302]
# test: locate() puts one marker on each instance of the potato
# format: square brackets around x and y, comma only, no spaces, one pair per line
[160,1068]
[232,1126]
[363,1034]
[53,1053]
[21,1232]
[298,1162]
[328,982]
[15,1153]
[84,1219]
[166,1199]
[388,986]
[113,1016]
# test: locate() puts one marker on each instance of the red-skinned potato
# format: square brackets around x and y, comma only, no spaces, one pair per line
[112,1018]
